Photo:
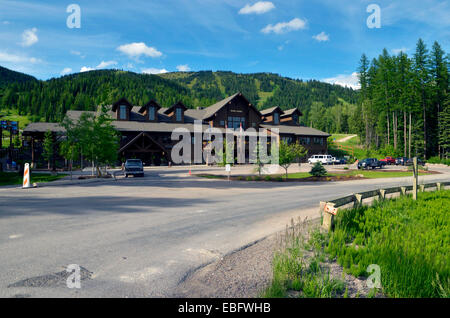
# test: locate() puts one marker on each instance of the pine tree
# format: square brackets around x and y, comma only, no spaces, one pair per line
[48,147]
[422,73]
[444,138]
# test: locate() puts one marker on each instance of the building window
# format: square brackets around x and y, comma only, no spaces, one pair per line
[305,140]
[295,118]
[318,141]
[178,114]
[235,122]
[123,112]
[222,123]
[276,118]
[287,140]
[151,113]
[193,140]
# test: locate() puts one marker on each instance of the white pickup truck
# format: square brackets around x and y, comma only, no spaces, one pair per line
[323,159]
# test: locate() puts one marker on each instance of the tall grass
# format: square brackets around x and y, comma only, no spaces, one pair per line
[409,240]
[297,266]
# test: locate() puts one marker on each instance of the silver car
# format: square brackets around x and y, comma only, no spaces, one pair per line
[134,167]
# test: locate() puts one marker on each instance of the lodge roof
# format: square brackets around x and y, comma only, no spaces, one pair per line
[291,111]
[44,127]
[269,111]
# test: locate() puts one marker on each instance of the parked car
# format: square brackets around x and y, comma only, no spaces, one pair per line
[401,161]
[134,167]
[409,162]
[388,160]
[323,159]
[370,163]
[339,161]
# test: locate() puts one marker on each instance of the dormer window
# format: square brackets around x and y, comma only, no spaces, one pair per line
[295,118]
[178,114]
[123,112]
[276,118]
[151,113]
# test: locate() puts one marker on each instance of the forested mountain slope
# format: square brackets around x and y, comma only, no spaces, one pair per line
[50,99]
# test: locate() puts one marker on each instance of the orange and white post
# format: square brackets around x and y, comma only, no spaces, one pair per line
[26,176]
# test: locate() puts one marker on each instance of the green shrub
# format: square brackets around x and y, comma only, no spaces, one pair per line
[438,160]
[268,178]
[318,170]
[249,178]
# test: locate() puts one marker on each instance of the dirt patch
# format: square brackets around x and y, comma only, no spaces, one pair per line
[242,274]
[248,271]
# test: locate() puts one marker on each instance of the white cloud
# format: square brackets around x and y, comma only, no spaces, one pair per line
[154,71]
[259,7]
[322,37]
[29,37]
[6,22]
[345,80]
[86,69]
[66,70]
[135,50]
[397,51]
[283,27]
[12,58]
[183,68]
[104,64]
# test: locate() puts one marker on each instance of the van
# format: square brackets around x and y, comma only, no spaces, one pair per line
[323,159]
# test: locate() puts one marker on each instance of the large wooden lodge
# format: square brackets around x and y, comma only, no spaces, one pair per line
[146,130]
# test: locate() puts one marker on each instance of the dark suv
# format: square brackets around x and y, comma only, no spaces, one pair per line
[134,167]
[369,163]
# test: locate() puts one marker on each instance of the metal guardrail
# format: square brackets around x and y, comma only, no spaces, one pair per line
[330,208]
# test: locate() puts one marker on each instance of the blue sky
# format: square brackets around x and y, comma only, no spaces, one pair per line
[320,39]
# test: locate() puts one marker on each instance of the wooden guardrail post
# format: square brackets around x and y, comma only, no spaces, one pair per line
[438,186]
[382,194]
[328,215]
[403,190]
[422,188]
[358,200]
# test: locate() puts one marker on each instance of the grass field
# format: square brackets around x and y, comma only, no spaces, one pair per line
[12,178]
[408,239]
[355,142]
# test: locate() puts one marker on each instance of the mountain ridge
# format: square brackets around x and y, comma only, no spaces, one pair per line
[50,99]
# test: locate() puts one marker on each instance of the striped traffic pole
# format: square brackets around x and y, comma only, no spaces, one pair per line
[26,176]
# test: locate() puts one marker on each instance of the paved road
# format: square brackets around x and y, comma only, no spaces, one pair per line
[141,237]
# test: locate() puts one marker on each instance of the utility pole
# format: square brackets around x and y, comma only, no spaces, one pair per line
[416,177]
